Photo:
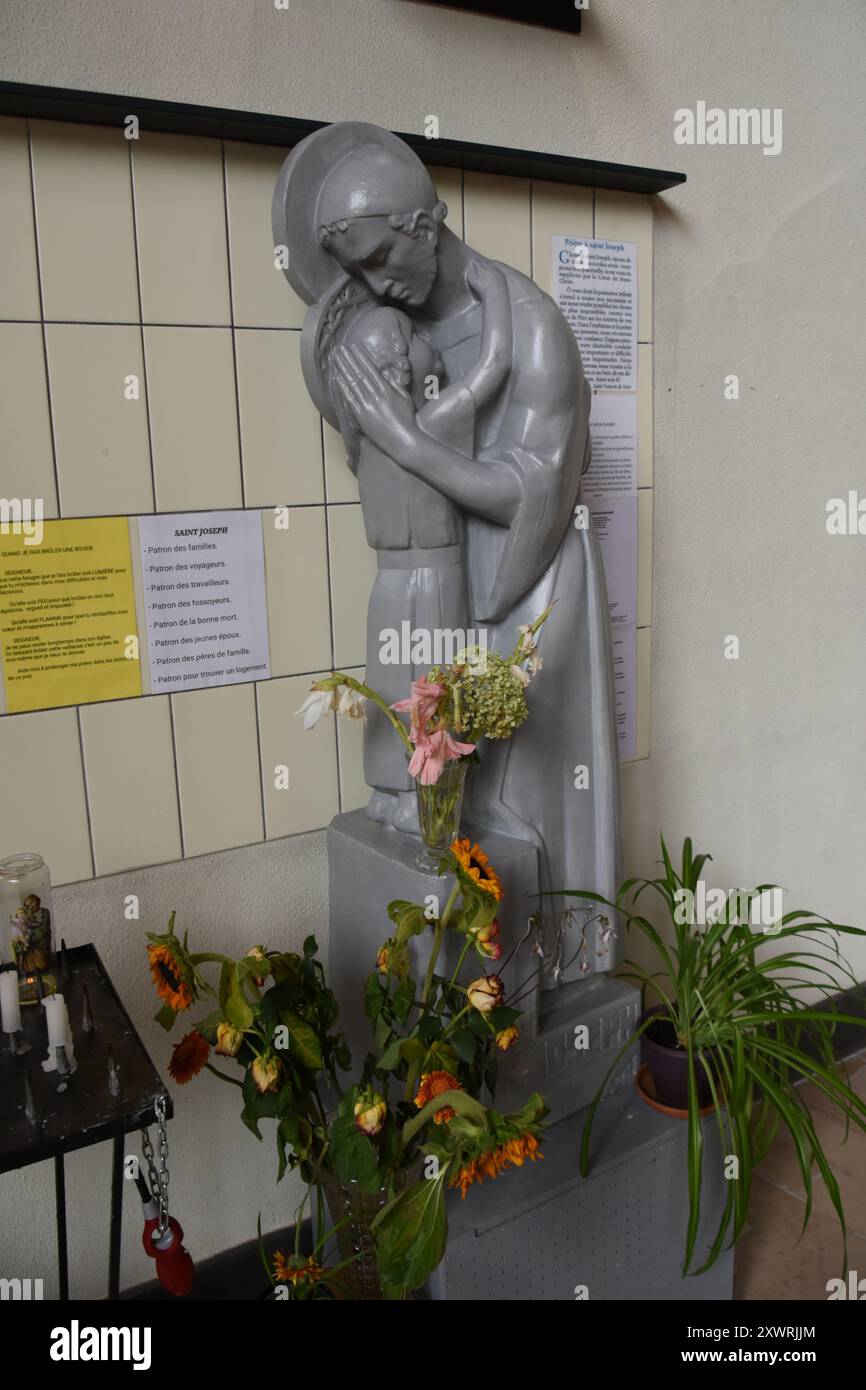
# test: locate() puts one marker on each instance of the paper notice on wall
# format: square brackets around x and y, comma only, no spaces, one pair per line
[624,643]
[67,614]
[595,286]
[613,431]
[615,523]
[204,596]
[609,489]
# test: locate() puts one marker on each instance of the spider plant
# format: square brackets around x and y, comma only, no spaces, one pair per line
[739,1014]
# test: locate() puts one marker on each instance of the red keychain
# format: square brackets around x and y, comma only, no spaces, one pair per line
[163,1235]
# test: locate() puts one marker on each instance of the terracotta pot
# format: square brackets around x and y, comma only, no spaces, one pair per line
[668,1063]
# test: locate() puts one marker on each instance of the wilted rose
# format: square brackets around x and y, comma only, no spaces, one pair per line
[486,993]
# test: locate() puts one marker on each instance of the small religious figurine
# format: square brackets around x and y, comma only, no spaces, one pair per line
[31,935]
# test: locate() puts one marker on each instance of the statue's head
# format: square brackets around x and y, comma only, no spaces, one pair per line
[355,198]
[379,217]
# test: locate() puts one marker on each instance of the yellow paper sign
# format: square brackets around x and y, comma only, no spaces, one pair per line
[67,615]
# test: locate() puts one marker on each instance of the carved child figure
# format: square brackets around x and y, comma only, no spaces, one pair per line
[415,529]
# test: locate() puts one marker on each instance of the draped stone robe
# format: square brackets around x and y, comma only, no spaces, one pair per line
[538,425]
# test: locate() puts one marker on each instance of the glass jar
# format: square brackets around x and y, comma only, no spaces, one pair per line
[440,807]
[26,922]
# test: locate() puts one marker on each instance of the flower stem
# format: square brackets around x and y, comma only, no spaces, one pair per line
[377,700]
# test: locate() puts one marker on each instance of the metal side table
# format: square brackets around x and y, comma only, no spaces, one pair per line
[84,1111]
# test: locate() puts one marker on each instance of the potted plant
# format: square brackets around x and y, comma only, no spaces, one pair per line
[727,1029]
[382,1153]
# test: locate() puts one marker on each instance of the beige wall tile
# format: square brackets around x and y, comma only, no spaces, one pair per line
[84,222]
[497,218]
[309,755]
[103,458]
[25,426]
[645,415]
[643,702]
[629,217]
[353,569]
[218,773]
[645,557]
[557,210]
[340,481]
[193,418]
[449,186]
[354,791]
[261,295]
[181,222]
[281,433]
[19,280]
[44,809]
[131,789]
[296,576]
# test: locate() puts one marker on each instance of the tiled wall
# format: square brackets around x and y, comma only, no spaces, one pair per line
[155,257]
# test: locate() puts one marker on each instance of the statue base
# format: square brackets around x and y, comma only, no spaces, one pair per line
[541,1232]
[569,1035]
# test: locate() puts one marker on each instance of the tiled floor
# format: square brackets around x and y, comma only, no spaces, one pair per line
[773,1262]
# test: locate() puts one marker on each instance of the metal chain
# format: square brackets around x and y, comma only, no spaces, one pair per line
[158,1180]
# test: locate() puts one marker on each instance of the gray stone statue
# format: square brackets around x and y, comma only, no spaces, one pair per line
[458,388]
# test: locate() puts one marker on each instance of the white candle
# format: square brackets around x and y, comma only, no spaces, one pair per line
[55,1013]
[9,1008]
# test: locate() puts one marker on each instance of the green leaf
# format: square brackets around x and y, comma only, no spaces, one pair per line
[390,1058]
[165,1018]
[305,1044]
[374,996]
[232,1002]
[353,1156]
[411,1233]
[404,998]
[464,1043]
[310,946]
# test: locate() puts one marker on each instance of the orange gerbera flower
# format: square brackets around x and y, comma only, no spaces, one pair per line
[475,866]
[513,1153]
[296,1269]
[435,1083]
[188,1057]
[171,976]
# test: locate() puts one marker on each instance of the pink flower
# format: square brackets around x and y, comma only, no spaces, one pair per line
[432,752]
[421,704]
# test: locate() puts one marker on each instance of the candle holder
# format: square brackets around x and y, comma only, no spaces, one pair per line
[26,923]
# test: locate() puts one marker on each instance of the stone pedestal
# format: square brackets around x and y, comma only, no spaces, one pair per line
[568,1036]
[541,1232]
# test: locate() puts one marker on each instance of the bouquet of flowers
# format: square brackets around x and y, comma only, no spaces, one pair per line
[382,1152]
[481,694]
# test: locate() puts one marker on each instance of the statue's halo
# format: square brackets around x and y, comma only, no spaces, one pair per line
[347,169]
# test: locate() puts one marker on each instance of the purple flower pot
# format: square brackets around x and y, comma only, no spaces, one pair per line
[669,1063]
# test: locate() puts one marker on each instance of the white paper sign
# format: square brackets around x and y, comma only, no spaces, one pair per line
[613,431]
[615,522]
[610,490]
[204,599]
[595,286]
[625,702]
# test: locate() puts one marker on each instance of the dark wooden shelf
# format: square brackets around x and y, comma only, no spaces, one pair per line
[100,108]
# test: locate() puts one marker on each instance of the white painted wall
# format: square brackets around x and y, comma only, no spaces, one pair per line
[758,271]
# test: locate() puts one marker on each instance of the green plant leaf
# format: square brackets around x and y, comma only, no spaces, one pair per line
[305,1044]
[374,996]
[411,1233]
[231,996]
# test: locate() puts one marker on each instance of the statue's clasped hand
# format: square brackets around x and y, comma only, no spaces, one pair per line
[381,411]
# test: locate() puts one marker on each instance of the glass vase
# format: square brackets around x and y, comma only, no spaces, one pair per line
[26,920]
[353,1212]
[439,809]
